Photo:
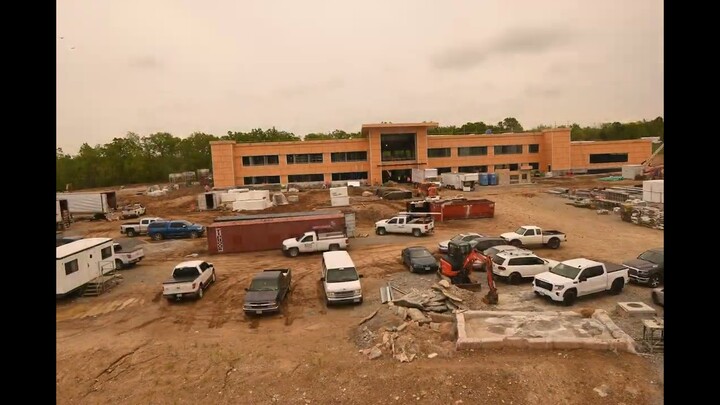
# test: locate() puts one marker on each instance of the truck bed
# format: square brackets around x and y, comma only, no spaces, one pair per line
[180,280]
[553,232]
[613,267]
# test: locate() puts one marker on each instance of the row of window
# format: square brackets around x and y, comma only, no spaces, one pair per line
[302,158]
[608,157]
[483,150]
[302,178]
[484,169]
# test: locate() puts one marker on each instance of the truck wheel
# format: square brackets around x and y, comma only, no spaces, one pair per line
[569,297]
[554,243]
[516,242]
[293,252]
[200,292]
[156,236]
[213,277]
[381,231]
[655,281]
[417,233]
[130,232]
[334,246]
[193,235]
[617,286]
[118,264]
[514,278]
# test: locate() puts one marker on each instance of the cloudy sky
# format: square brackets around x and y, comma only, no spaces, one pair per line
[314,66]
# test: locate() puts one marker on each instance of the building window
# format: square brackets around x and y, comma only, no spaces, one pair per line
[508,149]
[305,158]
[608,157]
[513,167]
[535,165]
[534,148]
[305,178]
[473,169]
[261,160]
[442,170]
[359,156]
[397,147]
[262,180]
[350,176]
[71,267]
[438,152]
[106,252]
[500,167]
[473,151]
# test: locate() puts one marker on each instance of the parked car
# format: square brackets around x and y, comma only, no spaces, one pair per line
[340,279]
[487,242]
[417,226]
[189,279]
[492,251]
[138,227]
[578,277]
[469,237]
[658,296]
[159,230]
[314,241]
[531,235]
[648,268]
[419,260]
[267,290]
[516,265]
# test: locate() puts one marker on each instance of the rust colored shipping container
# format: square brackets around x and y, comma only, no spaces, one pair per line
[464,209]
[265,234]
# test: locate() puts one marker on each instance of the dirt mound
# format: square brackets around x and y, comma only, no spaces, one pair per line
[370,212]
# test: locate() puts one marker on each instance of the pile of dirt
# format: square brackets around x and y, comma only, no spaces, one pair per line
[366,214]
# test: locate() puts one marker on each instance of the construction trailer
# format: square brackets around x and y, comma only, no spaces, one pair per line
[460,181]
[425,176]
[208,201]
[80,262]
[267,232]
[92,204]
[62,215]
[455,208]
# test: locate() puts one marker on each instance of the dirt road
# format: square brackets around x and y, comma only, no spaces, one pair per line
[131,345]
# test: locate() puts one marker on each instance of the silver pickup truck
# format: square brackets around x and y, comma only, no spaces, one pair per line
[139,227]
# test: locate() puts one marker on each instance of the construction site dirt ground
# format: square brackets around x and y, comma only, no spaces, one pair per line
[130,345]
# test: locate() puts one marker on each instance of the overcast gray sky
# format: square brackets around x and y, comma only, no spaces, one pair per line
[314,66]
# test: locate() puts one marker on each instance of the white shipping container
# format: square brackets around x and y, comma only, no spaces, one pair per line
[658,186]
[340,201]
[647,194]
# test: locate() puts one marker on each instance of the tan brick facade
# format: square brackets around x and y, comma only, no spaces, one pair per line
[552,151]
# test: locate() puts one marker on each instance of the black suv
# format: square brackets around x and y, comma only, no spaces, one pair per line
[648,268]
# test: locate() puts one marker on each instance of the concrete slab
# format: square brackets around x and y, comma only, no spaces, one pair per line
[637,309]
[540,330]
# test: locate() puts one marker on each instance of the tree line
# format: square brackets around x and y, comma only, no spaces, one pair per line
[146,159]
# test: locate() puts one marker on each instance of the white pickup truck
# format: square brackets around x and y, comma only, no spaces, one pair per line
[417,226]
[132,211]
[578,277]
[314,241]
[189,278]
[139,227]
[126,257]
[529,235]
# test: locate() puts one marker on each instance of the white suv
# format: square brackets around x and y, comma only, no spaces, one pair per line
[515,265]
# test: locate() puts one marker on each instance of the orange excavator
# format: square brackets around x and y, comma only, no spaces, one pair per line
[457,265]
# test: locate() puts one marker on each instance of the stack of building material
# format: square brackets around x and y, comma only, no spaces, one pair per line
[654,191]
[280,199]
[648,216]
[631,172]
[339,196]
[251,200]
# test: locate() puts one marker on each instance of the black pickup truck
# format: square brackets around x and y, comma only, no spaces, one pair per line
[268,289]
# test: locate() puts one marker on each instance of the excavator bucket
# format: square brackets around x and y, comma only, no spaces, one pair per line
[491,298]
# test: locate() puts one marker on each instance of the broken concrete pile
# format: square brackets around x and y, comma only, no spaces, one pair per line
[442,297]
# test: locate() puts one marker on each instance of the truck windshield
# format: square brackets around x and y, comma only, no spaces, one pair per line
[341,275]
[263,285]
[184,272]
[652,257]
[565,271]
[520,231]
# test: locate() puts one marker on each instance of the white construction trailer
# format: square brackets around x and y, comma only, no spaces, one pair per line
[460,181]
[79,262]
[90,203]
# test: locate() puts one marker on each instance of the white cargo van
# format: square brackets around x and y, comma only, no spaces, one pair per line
[340,279]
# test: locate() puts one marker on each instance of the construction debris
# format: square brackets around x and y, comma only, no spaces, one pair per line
[367,318]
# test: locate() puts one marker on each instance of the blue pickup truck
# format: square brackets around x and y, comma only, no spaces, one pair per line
[168,229]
